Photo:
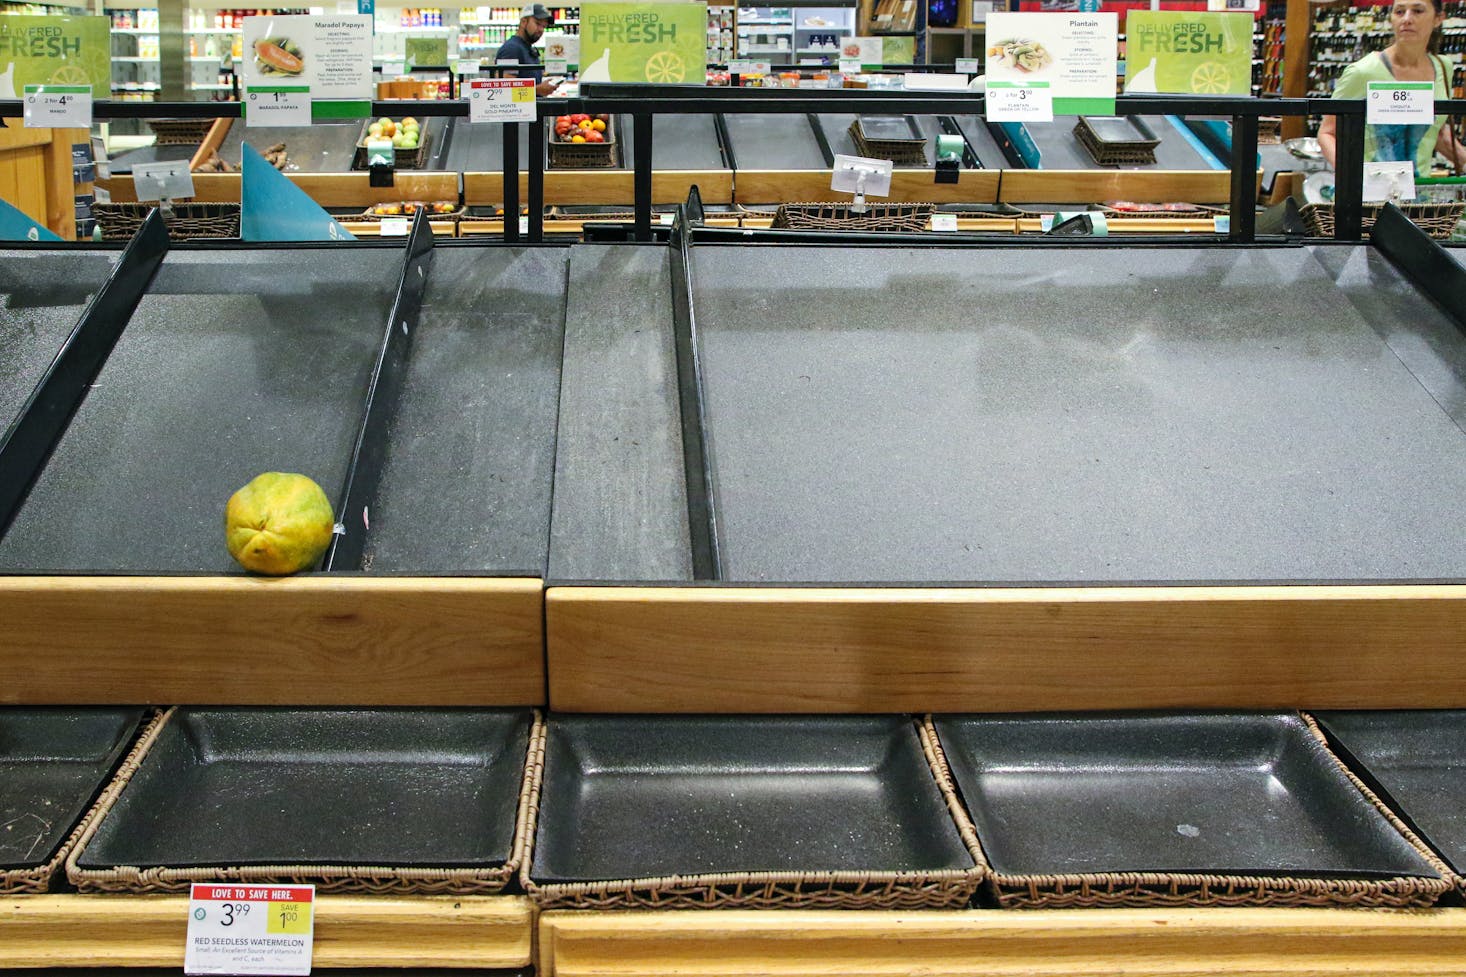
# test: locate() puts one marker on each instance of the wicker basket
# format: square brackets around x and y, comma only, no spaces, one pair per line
[402,159]
[369,217]
[1141,152]
[32,881]
[582,155]
[180,132]
[187,222]
[838,217]
[326,878]
[1156,889]
[935,889]
[899,152]
[1436,219]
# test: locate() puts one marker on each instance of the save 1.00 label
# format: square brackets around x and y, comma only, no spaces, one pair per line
[250,929]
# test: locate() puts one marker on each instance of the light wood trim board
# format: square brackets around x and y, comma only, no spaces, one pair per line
[612,187]
[851,649]
[999,943]
[315,640]
[918,186]
[326,189]
[350,931]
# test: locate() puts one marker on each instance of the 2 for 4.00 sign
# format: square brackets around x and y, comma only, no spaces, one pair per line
[501,100]
[250,929]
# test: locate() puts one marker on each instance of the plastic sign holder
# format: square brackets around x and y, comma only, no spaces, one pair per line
[861,176]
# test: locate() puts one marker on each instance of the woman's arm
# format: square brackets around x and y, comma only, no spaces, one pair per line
[1328,140]
[1450,147]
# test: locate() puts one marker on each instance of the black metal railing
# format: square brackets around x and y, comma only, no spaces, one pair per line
[644,102]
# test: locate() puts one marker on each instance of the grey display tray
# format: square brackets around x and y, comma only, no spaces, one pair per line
[466,484]
[1417,761]
[236,362]
[890,128]
[394,788]
[42,297]
[634,797]
[679,142]
[1220,794]
[53,762]
[1119,130]
[773,142]
[1084,427]
[324,147]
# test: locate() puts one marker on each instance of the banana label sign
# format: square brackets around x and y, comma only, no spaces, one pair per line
[652,43]
[1189,53]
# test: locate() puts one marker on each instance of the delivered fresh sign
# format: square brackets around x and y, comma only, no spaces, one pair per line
[55,51]
[660,43]
[1188,53]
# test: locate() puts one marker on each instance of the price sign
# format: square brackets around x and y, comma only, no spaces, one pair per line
[278,105]
[1019,101]
[394,69]
[468,66]
[162,181]
[969,66]
[944,222]
[250,929]
[1400,103]
[748,67]
[57,107]
[501,100]
[395,227]
[850,66]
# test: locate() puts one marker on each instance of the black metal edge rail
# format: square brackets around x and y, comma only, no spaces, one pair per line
[1422,260]
[384,393]
[702,519]
[47,413]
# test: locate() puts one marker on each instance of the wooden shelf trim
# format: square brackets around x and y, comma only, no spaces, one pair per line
[350,931]
[852,649]
[314,640]
[1000,943]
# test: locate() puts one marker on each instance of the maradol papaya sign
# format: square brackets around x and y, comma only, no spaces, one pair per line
[1191,53]
[55,51]
[658,43]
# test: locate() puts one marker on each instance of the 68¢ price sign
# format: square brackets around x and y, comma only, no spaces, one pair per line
[250,929]
[501,100]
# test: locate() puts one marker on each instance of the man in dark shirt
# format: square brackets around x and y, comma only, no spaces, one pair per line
[534,18]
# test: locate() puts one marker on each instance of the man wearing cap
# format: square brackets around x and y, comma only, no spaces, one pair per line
[534,18]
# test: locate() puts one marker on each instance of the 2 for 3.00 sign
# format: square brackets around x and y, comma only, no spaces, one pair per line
[501,100]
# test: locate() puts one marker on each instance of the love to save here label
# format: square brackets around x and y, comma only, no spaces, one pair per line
[250,929]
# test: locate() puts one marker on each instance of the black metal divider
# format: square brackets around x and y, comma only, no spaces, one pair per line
[1421,259]
[1243,223]
[1349,192]
[702,518]
[384,393]
[642,175]
[44,418]
[536,180]
[511,179]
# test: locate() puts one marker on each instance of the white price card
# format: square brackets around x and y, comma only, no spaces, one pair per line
[524,225]
[1400,103]
[162,181]
[501,100]
[850,66]
[57,107]
[1391,181]
[1019,101]
[395,227]
[468,66]
[666,219]
[944,222]
[393,69]
[969,66]
[748,67]
[250,929]
[277,105]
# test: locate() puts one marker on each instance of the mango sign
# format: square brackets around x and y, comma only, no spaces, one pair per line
[43,50]
[1187,52]
[656,43]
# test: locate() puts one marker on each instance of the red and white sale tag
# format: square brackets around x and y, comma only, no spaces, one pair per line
[250,929]
[501,100]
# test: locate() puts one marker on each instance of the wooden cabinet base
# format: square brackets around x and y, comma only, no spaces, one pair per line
[350,931]
[316,640]
[998,943]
